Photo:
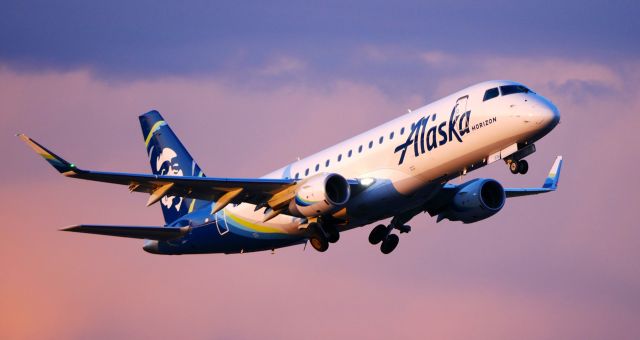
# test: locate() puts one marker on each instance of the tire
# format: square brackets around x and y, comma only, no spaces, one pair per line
[513,166]
[523,167]
[318,239]
[319,243]
[389,244]
[377,234]
[333,235]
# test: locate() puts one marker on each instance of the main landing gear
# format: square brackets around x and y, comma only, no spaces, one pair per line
[519,167]
[321,235]
[382,233]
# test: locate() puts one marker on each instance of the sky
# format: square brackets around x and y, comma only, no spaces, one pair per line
[250,86]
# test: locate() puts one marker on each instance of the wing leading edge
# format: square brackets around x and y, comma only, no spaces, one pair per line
[263,192]
[254,190]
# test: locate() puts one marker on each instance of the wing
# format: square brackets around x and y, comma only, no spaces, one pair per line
[443,197]
[272,193]
[550,183]
[151,233]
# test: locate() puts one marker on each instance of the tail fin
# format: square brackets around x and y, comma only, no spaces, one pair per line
[169,157]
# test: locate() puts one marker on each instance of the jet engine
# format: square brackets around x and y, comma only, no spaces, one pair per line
[320,194]
[476,200]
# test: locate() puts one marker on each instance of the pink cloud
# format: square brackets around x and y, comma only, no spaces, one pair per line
[558,266]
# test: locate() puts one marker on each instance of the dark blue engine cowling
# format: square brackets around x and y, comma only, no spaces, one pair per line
[475,200]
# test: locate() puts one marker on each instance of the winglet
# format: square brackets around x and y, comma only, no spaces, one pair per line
[551,182]
[56,161]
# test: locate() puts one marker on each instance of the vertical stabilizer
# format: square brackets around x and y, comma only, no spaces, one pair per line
[169,157]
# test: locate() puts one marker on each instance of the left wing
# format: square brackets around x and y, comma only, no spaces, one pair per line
[440,202]
[550,183]
[272,193]
[150,233]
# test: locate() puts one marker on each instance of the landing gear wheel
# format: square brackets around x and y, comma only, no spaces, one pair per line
[333,235]
[389,244]
[523,167]
[513,166]
[318,239]
[377,234]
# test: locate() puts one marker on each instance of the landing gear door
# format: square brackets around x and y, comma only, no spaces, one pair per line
[221,222]
[461,105]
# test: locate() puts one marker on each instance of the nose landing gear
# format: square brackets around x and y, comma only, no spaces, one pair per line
[519,167]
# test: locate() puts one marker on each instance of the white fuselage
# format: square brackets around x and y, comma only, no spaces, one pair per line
[449,136]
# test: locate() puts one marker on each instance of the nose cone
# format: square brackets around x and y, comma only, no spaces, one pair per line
[552,116]
[546,114]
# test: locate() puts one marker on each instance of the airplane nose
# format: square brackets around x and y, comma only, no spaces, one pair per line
[544,114]
[550,116]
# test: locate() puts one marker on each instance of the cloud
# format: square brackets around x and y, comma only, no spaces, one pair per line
[437,58]
[568,273]
[282,65]
[147,39]
[545,74]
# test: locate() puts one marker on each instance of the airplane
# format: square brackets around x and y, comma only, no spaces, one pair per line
[396,170]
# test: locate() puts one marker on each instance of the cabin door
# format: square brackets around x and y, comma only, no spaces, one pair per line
[461,105]
[221,222]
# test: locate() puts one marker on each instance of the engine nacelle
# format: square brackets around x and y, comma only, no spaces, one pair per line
[320,194]
[478,199]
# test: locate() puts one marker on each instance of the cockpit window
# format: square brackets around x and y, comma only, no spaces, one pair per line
[490,94]
[511,89]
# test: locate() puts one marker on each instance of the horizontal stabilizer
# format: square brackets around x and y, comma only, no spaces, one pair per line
[550,183]
[151,233]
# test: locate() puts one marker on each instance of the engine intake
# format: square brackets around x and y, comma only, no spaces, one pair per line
[476,200]
[319,195]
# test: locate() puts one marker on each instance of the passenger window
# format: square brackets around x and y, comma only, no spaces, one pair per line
[317,167]
[402,131]
[360,149]
[370,144]
[306,172]
[391,135]
[326,164]
[339,157]
[380,140]
[490,94]
[350,153]
[297,173]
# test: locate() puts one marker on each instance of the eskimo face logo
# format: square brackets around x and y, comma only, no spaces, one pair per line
[426,134]
[167,165]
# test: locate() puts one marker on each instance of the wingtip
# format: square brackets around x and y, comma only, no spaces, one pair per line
[551,182]
[54,160]
[70,228]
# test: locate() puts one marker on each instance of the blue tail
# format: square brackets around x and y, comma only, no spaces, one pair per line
[169,157]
